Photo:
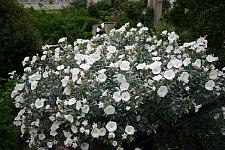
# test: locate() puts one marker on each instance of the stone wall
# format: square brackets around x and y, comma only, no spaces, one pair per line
[44,4]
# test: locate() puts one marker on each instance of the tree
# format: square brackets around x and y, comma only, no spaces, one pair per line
[18,38]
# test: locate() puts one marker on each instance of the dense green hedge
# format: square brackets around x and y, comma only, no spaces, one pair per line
[69,23]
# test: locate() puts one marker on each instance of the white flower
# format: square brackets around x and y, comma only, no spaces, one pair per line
[156,70]
[98,30]
[24,62]
[45,74]
[121,78]
[43,57]
[85,123]
[164,32]
[124,65]
[65,81]
[124,136]
[111,49]
[41,136]
[71,101]
[141,66]
[39,103]
[184,77]
[102,132]
[197,63]
[75,71]
[172,37]
[128,47]
[78,105]
[95,132]
[169,74]
[74,129]
[69,118]
[101,78]
[109,110]
[125,96]
[49,144]
[211,58]
[154,65]
[67,91]
[151,48]
[61,67]
[187,61]
[129,130]
[61,40]
[34,85]
[162,91]
[157,78]
[176,63]
[111,126]
[114,143]
[169,49]
[156,58]
[114,65]
[100,104]
[26,59]
[85,109]
[19,87]
[85,67]
[84,146]
[124,86]
[197,107]
[111,135]
[213,74]
[169,65]
[116,96]
[209,85]
[139,25]
[128,108]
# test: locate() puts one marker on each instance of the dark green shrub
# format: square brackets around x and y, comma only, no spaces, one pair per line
[69,23]
[9,137]
[18,38]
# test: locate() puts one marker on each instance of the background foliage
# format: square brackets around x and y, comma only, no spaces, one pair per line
[69,23]
[197,18]
[9,136]
[18,36]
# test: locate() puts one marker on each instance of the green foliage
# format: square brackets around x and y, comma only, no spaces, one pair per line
[69,23]
[134,12]
[8,133]
[101,10]
[126,11]
[200,18]
[18,38]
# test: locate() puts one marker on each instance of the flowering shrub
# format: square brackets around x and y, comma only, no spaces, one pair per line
[112,87]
